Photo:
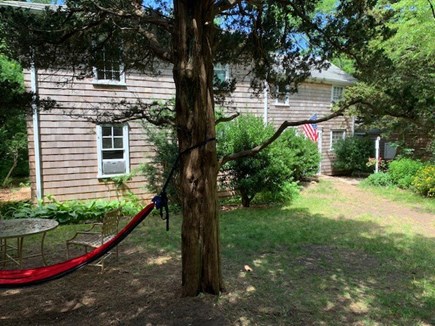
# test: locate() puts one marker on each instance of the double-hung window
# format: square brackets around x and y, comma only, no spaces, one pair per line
[221,72]
[282,95]
[109,68]
[337,93]
[336,135]
[113,150]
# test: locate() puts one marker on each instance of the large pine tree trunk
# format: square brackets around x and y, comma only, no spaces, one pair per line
[193,75]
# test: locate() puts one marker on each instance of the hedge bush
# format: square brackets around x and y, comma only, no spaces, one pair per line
[424,181]
[380,179]
[249,175]
[271,171]
[297,154]
[352,155]
[403,171]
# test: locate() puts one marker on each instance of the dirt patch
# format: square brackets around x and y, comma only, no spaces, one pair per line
[128,292]
[359,202]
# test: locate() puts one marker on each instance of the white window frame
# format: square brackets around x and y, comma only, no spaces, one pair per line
[126,148]
[286,96]
[120,82]
[331,142]
[334,98]
[221,67]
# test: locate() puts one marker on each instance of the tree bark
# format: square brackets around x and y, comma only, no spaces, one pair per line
[195,122]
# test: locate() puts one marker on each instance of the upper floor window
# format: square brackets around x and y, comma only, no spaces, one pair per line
[109,68]
[337,135]
[337,93]
[113,150]
[221,72]
[282,95]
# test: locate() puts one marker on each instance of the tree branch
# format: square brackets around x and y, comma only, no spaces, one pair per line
[154,18]
[223,5]
[155,46]
[432,8]
[227,118]
[155,113]
[281,129]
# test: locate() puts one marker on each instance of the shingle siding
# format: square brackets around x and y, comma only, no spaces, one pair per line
[69,146]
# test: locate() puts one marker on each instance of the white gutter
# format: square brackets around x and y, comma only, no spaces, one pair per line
[36,138]
[265,103]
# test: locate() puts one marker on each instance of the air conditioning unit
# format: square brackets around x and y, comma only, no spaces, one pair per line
[114,167]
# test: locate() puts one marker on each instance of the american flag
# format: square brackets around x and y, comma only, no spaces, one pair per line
[310,129]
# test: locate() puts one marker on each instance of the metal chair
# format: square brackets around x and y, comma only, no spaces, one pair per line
[97,235]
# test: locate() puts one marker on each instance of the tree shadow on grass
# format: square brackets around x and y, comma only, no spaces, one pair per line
[141,288]
[312,270]
[306,270]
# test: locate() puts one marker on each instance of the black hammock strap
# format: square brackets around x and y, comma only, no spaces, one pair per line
[161,200]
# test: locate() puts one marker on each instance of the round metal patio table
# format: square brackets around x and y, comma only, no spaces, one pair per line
[20,228]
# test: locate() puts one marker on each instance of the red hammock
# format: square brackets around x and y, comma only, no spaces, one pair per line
[26,277]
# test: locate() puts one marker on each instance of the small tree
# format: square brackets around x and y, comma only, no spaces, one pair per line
[290,158]
[248,175]
[352,155]
[297,154]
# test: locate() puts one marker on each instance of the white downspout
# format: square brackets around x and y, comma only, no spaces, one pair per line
[319,148]
[265,103]
[378,140]
[36,137]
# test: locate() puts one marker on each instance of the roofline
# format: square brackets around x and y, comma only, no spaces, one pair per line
[347,80]
[333,81]
[33,7]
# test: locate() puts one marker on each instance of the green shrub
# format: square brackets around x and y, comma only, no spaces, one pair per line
[157,171]
[297,154]
[249,175]
[286,194]
[271,171]
[380,179]
[403,171]
[352,155]
[424,181]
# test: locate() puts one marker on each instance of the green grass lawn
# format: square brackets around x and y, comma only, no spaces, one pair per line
[303,264]
[406,197]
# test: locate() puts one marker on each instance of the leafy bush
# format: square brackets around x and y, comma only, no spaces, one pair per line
[69,212]
[286,194]
[297,154]
[352,155]
[271,171]
[249,175]
[403,171]
[424,181]
[380,179]
[157,171]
